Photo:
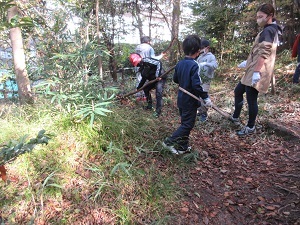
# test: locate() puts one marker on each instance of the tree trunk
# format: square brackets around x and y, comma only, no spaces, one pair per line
[24,89]
[87,69]
[138,19]
[175,51]
[112,60]
[150,19]
[100,64]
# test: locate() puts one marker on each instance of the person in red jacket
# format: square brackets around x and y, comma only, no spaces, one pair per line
[296,53]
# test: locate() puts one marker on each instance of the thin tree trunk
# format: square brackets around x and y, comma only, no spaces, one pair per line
[175,52]
[87,69]
[273,81]
[139,20]
[100,64]
[24,89]
[150,19]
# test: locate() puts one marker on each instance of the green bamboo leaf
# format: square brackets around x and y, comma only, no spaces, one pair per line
[104,110]
[82,112]
[87,114]
[99,112]
[121,166]
[48,178]
[92,119]
[54,185]
[41,133]
[102,103]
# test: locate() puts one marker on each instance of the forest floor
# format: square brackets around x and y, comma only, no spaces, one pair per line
[228,180]
[244,180]
[249,180]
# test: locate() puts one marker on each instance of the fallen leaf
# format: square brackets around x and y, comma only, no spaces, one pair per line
[3,173]
[184,209]
[223,171]
[230,182]
[248,179]
[226,194]
[205,220]
[196,205]
[230,202]
[270,207]
[261,198]
[213,214]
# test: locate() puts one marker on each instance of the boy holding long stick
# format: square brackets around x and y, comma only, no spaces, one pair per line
[187,75]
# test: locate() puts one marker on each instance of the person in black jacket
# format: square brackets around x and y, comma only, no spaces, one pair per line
[151,69]
[187,75]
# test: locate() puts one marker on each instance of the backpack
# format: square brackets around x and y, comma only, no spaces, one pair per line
[148,67]
[135,59]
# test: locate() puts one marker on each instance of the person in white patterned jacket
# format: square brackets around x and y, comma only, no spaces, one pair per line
[208,64]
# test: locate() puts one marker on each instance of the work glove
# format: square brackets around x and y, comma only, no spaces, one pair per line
[203,63]
[207,102]
[242,64]
[255,78]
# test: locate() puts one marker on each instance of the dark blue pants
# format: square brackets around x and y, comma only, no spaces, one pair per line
[181,135]
[296,74]
[251,96]
[159,87]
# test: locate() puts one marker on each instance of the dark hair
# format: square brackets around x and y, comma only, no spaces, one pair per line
[204,43]
[145,39]
[191,44]
[267,9]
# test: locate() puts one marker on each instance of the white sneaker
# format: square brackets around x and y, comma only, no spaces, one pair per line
[246,131]
[175,151]
[235,121]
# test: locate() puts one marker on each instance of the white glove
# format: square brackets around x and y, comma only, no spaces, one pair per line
[203,63]
[242,64]
[255,78]
[207,102]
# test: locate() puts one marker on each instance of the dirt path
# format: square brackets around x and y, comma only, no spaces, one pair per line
[242,181]
[253,180]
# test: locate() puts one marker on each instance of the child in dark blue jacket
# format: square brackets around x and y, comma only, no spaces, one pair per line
[187,75]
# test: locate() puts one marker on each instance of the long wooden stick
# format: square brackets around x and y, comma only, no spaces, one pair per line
[225,114]
[150,82]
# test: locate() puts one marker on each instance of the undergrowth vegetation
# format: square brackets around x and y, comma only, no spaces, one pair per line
[109,169]
[108,166]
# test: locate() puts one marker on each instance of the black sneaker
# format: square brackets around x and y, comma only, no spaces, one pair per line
[148,107]
[170,146]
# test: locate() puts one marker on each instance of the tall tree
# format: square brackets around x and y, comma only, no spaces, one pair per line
[175,53]
[136,13]
[100,64]
[23,82]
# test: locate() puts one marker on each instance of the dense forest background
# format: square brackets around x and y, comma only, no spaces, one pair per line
[71,40]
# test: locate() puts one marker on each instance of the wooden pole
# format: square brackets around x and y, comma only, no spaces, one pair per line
[225,114]
[150,82]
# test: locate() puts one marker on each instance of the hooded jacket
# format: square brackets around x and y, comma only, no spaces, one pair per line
[211,64]
[265,45]
[207,72]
